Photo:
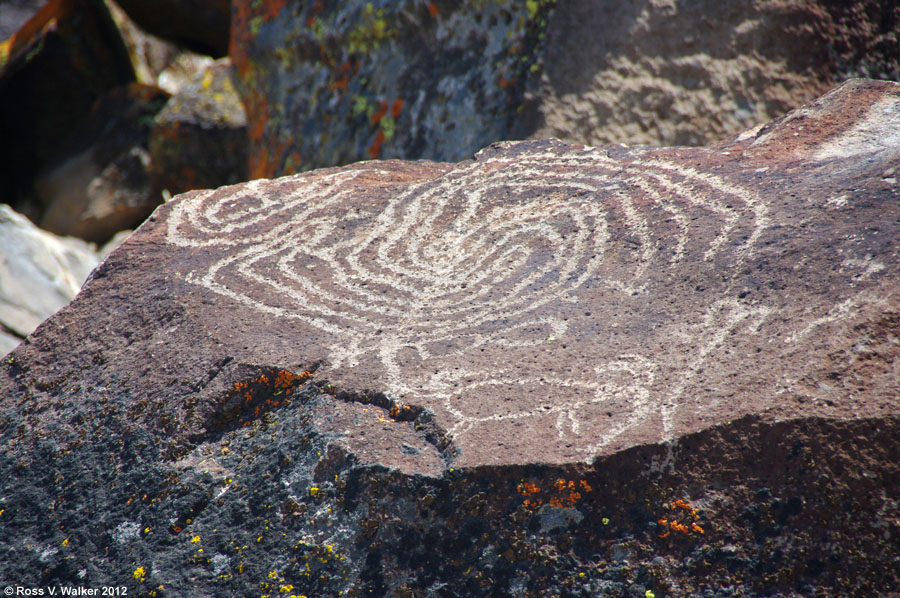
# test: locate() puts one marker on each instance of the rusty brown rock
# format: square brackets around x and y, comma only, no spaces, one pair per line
[585,369]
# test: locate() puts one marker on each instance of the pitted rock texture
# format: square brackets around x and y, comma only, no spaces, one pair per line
[551,370]
[683,72]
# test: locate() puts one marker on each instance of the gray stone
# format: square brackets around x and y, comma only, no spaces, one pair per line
[692,72]
[39,274]
[100,182]
[327,84]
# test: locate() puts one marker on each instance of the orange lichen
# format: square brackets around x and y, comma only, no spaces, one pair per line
[267,391]
[272,8]
[340,84]
[285,379]
[398,410]
[375,148]
[241,38]
[397,108]
[682,518]
[432,9]
[564,493]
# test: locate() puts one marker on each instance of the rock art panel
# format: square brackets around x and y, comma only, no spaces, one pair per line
[500,256]
[539,287]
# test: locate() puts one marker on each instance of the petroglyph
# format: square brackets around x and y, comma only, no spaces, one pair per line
[499,253]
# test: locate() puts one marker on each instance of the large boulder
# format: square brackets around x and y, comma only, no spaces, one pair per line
[51,72]
[39,274]
[327,84]
[552,370]
[688,72]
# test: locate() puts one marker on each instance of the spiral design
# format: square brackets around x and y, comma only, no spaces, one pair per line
[496,254]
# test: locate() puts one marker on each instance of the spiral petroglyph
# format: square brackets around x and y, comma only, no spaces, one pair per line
[499,254]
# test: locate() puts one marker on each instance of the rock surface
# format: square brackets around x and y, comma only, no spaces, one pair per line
[327,84]
[550,371]
[39,274]
[683,72]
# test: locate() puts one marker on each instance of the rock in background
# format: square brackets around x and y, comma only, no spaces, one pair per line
[14,14]
[199,141]
[550,370]
[76,128]
[682,72]
[156,61]
[326,83]
[199,25]
[39,274]
[99,182]
[51,73]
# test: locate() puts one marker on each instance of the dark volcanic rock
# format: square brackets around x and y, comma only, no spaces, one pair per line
[201,25]
[51,72]
[552,370]
[329,83]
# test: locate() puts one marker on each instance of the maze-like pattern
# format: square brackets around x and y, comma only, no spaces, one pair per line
[500,256]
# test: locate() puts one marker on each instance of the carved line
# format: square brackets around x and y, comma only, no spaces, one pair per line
[408,244]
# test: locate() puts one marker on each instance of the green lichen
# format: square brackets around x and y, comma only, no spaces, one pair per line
[371,33]
[388,126]
[255,24]
[360,105]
